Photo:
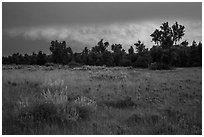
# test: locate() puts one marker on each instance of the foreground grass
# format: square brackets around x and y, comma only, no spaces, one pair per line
[101,101]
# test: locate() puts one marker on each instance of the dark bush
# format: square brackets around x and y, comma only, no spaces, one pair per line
[121,103]
[84,112]
[125,63]
[166,52]
[159,66]
[141,62]
[49,64]
[40,113]
[74,64]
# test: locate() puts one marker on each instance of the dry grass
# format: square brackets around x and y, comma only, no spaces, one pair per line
[91,100]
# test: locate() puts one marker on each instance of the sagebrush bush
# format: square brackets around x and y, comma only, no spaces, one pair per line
[49,114]
[56,96]
[84,107]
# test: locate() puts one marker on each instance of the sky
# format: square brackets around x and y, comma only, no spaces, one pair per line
[28,27]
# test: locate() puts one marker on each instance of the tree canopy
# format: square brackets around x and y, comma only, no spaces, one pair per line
[167,52]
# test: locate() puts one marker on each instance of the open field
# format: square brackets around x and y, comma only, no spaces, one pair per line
[100,100]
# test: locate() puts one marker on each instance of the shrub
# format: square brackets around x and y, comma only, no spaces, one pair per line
[56,96]
[125,62]
[121,103]
[48,64]
[84,107]
[42,112]
[141,62]
[159,66]
[74,64]
[36,116]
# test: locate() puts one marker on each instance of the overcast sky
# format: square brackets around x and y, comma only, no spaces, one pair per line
[29,27]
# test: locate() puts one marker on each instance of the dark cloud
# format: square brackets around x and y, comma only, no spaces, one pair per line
[21,45]
[30,27]
[29,14]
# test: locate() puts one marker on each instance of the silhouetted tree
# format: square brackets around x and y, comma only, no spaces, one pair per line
[132,57]
[101,47]
[167,36]
[166,53]
[60,53]
[196,54]
[33,58]
[184,43]
[41,58]
[117,53]
[178,32]
[143,58]
[140,47]
[85,54]
[98,54]
[156,53]
[131,50]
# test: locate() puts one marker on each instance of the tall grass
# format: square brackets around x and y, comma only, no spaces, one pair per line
[102,101]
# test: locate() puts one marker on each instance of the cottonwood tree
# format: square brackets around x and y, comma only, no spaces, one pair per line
[131,55]
[167,36]
[84,55]
[60,53]
[41,58]
[143,58]
[99,54]
[131,50]
[117,53]
[140,47]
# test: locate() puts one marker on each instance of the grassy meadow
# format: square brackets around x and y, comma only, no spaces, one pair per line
[100,100]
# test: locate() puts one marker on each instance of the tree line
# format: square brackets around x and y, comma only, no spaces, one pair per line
[167,52]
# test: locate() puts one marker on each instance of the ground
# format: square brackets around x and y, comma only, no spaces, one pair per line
[101,100]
